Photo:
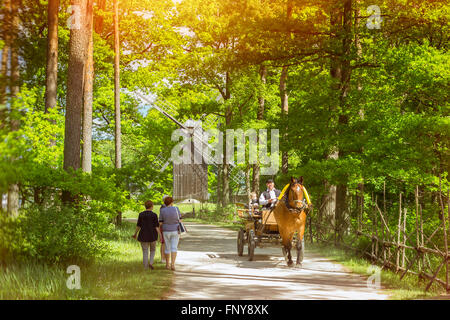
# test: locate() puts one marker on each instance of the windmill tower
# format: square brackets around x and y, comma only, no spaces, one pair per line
[190,181]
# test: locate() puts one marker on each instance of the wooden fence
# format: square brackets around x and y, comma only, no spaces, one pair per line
[420,252]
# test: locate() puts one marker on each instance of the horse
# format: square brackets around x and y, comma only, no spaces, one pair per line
[290,213]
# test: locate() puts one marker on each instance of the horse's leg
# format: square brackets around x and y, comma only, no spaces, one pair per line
[289,256]
[300,239]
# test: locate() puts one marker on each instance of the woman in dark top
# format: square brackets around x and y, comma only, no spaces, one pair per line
[148,228]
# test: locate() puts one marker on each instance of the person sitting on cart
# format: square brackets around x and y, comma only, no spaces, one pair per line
[269,197]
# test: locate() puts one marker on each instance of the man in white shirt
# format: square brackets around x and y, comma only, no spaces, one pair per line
[268,198]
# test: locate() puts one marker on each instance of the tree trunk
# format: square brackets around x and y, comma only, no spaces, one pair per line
[341,190]
[78,50]
[4,62]
[259,116]
[13,189]
[51,85]
[118,145]
[226,167]
[284,98]
[361,111]
[87,105]
[4,67]
[118,137]
[284,112]
[98,22]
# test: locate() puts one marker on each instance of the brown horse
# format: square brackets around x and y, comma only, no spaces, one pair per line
[290,214]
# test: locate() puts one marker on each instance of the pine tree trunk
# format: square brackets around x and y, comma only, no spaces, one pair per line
[78,51]
[13,189]
[284,112]
[98,22]
[341,190]
[4,62]
[259,116]
[51,85]
[86,157]
[225,194]
[118,137]
[118,144]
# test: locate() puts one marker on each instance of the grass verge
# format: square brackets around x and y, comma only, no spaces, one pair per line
[224,224]
[119,275]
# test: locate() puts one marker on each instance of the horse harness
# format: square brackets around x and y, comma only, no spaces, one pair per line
[290,208]
[285,197]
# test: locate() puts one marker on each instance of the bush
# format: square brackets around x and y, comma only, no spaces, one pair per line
[55,234]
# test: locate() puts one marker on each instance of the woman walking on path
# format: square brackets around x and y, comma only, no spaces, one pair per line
[162,248]
[148,228]
[170,218]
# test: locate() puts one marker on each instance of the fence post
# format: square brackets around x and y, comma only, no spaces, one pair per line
[445,235]
[416,196]
[387,222]
[446,249]
[404,236]
[398,232]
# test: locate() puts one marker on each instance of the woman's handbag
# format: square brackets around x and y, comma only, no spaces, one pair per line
[181,226]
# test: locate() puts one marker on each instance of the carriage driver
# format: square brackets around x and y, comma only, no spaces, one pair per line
[269,197]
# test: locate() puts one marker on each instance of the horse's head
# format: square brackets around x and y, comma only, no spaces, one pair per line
[295,196]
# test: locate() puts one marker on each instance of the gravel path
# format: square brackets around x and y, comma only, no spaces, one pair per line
[208,267]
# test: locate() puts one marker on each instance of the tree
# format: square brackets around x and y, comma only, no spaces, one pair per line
[259,116]
[118,152]
[51,85]
[78,52]
[118,133]
[86,158]
[13,190]
[6,8]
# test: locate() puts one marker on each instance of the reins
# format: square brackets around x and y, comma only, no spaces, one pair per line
[285,194]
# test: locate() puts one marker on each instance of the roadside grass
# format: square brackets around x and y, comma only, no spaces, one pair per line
[406,289]
[224,224]
[119,275]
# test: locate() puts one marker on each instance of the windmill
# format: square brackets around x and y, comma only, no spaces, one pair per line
[191,177]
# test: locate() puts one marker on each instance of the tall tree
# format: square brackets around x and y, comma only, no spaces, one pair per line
[86,157]
[284,96]
[118,134]
[78,51]
[118,144]
[51,85]
[13,190]
[6,12]
[259,116]
[344,87]
[226,94]
[284,111]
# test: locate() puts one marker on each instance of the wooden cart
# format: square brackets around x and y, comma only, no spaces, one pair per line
[259,229]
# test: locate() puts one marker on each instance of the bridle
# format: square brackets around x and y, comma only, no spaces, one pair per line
[294,209]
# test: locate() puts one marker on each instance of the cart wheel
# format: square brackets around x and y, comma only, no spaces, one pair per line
[240,242]
[251,245]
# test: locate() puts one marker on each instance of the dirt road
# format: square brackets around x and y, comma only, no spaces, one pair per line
[208,267]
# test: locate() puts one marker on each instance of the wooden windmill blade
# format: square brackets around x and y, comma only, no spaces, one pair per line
[186,178]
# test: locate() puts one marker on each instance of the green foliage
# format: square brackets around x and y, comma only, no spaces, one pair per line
[54,235]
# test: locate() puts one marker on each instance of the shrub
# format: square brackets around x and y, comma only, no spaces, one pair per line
[54,234]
